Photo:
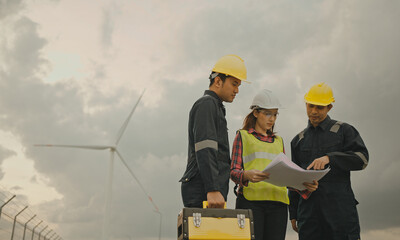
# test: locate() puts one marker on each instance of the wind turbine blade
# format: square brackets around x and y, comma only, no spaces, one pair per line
[137,180]
[94,147]
[123,127]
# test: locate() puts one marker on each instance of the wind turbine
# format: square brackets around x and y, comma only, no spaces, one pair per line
[113,149]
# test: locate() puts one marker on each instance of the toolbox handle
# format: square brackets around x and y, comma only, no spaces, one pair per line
[205,204]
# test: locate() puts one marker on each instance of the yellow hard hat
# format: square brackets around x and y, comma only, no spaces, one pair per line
[320,94]
[231,65]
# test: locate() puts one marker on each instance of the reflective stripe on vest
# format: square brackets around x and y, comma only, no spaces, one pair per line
[257,155]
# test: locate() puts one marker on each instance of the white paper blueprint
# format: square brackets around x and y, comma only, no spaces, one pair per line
[284,172]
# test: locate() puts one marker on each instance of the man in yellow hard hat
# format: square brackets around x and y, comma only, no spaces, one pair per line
[330,212]
[208,166]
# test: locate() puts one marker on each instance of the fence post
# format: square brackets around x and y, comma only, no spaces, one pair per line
[42,231]
[15,220]
[26,224]
[1,208]
[33,230]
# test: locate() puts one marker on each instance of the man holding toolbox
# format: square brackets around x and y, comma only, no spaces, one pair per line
[207,172]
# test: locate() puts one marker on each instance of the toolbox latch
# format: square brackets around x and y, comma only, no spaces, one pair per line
[241,221]
[197,219]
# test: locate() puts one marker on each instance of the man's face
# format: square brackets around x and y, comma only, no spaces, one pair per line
[317,114]
[229,89]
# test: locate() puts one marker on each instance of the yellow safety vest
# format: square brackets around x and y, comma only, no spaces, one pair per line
[257,155]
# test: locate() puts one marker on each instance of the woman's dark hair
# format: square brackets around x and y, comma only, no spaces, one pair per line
[250,122]
[213,75]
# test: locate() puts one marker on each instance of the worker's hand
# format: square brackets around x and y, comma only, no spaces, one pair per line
[215,200]
[294,225]
[254,175]
[311,186]
[319,163]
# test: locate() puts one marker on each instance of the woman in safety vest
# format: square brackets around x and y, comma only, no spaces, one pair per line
[255,146]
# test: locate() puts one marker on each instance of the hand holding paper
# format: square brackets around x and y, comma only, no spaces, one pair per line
[255,175]
[311,187]
[284,172]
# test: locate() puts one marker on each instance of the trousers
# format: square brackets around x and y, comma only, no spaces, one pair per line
[270,217]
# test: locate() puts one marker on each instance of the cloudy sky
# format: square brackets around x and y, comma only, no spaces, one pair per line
[71,71]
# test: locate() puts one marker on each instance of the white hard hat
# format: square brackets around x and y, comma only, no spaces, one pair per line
[265,99]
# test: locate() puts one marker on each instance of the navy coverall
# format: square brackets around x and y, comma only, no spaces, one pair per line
[208,164]
[330,212]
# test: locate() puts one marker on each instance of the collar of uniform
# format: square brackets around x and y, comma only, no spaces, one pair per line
[214,95]
[323,125]
[253,131]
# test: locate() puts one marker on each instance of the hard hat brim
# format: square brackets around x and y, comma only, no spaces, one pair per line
[318,103]
[231,75]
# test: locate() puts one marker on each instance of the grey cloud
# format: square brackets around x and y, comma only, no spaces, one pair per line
[16,188]
[10,7]
[108,24]
[20,52]
[33,179]
[6,153]
[265,35]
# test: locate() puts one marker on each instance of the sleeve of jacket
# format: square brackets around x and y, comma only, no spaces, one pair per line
[293,195]
[237,170]
[205,128]
[354,155]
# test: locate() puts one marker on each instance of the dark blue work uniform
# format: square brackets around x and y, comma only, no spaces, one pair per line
[330,212]
[208,164]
